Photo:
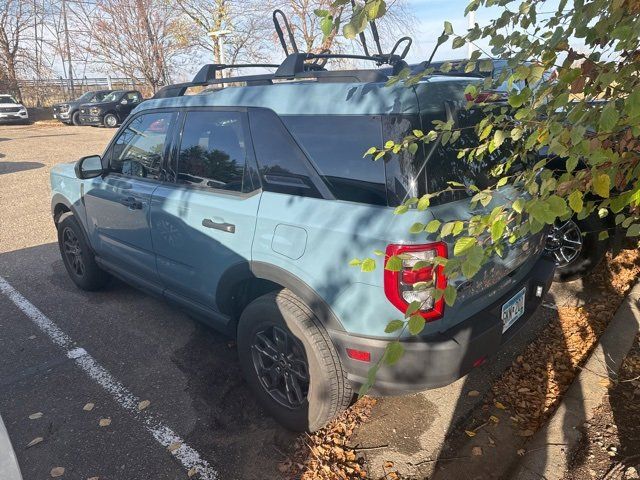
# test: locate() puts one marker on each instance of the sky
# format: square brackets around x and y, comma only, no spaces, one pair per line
[430,18]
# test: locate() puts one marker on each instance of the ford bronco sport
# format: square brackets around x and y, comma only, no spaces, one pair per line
[244,205]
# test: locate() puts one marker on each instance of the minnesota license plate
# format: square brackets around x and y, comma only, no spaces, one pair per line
[513,309]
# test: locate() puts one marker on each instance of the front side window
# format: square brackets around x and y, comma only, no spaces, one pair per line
[113,97]
[213,150]
[132,97]
[140,148]
[336,145]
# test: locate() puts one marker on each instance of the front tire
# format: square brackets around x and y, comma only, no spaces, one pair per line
[77,256]
[75,118]
[110,120]
[290,362]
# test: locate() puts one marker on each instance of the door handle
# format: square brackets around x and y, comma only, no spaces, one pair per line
[131,202]
[225,227]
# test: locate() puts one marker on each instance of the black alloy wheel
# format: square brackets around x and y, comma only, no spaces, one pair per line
[281,366]
[565,242]
[73,251]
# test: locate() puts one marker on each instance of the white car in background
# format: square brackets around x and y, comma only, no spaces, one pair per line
[12,111]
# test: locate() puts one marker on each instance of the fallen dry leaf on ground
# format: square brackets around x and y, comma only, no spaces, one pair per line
[325,454]
[476,451]
[174,446]
[535,383]
[35,416]
[192,471]
[88,407]
[473,393]
[57,472]
[35,441]
[104,422]
[143,404]
[94,478]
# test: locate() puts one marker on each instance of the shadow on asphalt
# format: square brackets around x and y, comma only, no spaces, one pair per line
[13,167]
[569,336]
[191,371]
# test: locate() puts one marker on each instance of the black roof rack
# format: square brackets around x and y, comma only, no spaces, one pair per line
[207,76]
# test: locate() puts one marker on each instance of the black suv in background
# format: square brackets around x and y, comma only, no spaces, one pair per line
[112,110]
[69,112]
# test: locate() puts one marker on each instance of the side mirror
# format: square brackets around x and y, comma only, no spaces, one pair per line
[89,167]
[124,101]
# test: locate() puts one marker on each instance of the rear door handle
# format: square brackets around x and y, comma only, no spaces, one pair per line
[225,227]
[131,202]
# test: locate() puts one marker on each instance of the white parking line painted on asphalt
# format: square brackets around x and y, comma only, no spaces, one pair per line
[188,457]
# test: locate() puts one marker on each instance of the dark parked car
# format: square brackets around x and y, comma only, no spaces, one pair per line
[69,112]
[112,110]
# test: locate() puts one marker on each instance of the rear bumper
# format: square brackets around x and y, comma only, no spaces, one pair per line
[443,358]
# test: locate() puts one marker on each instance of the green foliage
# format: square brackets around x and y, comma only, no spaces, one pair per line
[573,99]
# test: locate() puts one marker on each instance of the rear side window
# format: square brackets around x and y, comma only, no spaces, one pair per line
[283,166]
[140,148]
[212,150]
[336,145]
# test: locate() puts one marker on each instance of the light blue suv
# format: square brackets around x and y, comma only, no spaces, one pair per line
[245,203]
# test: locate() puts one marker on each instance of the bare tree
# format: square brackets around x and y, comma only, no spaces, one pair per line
[247,22]
[139,38]
[15,21]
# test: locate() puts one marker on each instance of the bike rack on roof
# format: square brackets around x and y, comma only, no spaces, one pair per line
[300,65]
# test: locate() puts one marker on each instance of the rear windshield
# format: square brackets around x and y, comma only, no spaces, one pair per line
[335,144]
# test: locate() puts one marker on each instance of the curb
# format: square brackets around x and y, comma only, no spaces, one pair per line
[9,469]
[551,448]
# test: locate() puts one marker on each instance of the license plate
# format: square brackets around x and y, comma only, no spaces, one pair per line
[513,309]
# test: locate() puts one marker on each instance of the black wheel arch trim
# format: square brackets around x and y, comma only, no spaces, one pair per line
[255,269]
[58,199]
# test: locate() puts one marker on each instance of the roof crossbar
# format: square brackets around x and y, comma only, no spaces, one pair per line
[208,72]
[295,63]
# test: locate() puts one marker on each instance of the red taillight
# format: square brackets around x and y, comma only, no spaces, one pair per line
[398,286]
[361,355]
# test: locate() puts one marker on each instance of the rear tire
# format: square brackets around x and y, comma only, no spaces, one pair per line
[591,253]
[263,326]
[77,256]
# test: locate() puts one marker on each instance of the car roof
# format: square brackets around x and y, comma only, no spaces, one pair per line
[317,98]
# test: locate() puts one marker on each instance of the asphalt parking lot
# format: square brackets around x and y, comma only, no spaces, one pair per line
[188,373]
[63,349]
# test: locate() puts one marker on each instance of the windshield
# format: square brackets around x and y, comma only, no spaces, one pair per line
[113,97]
[86,97]
[7,99]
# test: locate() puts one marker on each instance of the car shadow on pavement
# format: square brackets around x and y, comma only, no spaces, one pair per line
[188,371]
[531,395]
[13,167]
